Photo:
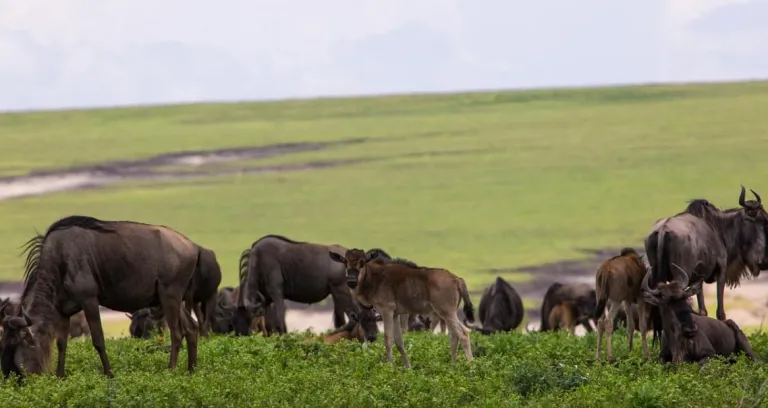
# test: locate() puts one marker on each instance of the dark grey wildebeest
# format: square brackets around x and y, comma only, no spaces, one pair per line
[501,308]
[688,336]
[82,262]
[714,245]
[278,268]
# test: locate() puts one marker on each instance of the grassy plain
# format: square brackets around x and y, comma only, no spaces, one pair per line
[468,181]
[509,370]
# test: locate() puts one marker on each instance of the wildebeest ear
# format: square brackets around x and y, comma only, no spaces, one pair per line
[336,257]
[372,254]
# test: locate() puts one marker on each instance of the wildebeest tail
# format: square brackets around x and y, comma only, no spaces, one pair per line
[601,290]
[469,309]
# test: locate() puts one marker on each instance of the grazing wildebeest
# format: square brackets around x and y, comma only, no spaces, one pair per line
[501,308]
[394,288]
[82,262]
[688,336]
[145,321]
[205,282]
[582,295]
[223,312]
[361,328]
[279,268]
[565,316]
[715,245]
[618,284]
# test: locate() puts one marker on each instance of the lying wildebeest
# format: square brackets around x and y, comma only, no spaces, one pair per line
[564,316]
[205,282]
[361,328]
[618,283]
[688,336]
[276,268]
[726,246]
[501,308]
[394,288]
[582,295]
[82,262]
[145,321]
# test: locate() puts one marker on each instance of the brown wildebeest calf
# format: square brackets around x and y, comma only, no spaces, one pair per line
[617,283]
[396,288]
[564,316]
[688,336]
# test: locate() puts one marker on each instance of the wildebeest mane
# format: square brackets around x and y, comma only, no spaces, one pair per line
[403,261]
[243,272]
[280,237]
[34,246]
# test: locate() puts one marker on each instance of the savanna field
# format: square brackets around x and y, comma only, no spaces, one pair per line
[468,182]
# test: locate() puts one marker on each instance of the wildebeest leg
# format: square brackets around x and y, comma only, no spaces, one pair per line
[342,304]
[459,332]
[720,290]
[399,343]
[741,340]
[92,315]
[388,318]
[279,304]
[630,324]
[613,310]
[642,315]
[62,336]
[403,319]
[172,309]
[600,330]
[190,333]
[201,319]
[700,301]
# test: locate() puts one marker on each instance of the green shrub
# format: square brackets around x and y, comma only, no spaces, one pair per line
[538,369]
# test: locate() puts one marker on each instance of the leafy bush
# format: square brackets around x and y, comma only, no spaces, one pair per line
[515,369]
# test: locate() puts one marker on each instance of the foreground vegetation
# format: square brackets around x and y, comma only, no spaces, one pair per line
[467,182]
[509,370]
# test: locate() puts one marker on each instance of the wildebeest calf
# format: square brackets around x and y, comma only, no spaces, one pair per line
[617,283]
[395,288]
[361,328]
[564,316]
[686,335]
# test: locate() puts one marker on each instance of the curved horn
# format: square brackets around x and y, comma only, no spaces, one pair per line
[645,287]
[693,289]
[742,196]
[683,272]
[759,201]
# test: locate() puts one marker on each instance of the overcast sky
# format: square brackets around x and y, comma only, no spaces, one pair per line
[81,53]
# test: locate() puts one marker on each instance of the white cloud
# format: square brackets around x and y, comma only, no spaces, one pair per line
[100,52]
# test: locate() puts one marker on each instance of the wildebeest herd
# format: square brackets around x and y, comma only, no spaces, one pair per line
[159,277]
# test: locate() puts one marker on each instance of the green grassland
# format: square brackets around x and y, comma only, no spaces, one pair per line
[467,181]
[509,370]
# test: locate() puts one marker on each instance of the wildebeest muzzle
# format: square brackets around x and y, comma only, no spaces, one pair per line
[352,275]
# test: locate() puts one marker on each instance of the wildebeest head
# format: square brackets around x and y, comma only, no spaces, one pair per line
[673,297]
[243,316]
[755,212]
[143,322]
[366,319]
[354,260]
[22,351]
